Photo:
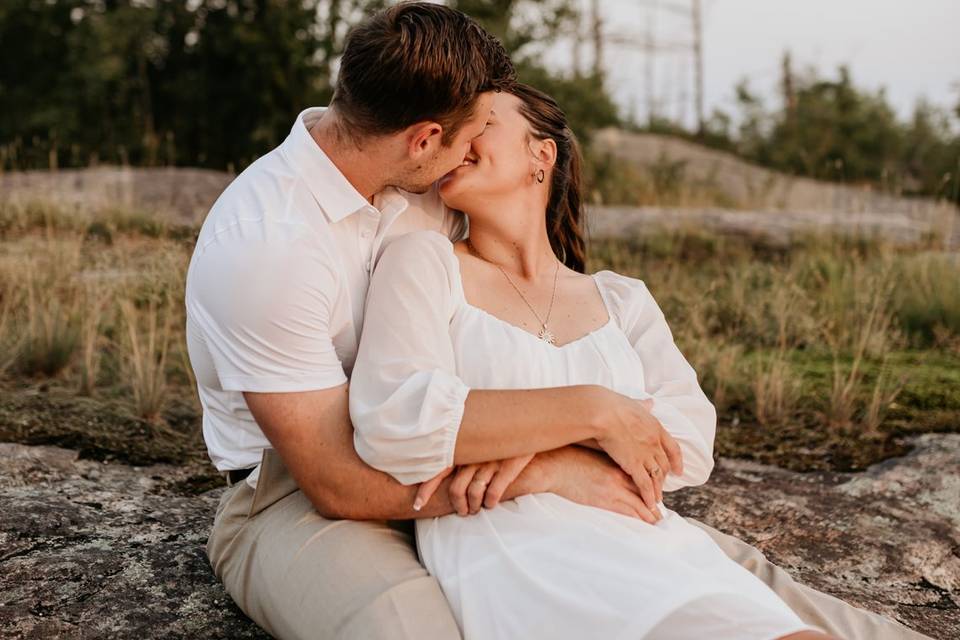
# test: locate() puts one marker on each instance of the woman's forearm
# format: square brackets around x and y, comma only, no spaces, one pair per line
[500,424]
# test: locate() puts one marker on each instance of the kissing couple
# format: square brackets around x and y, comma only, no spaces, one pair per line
[433,423]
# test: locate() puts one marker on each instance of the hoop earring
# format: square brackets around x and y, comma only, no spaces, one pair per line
[540,175]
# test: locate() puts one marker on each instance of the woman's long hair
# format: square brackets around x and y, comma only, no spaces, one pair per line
[565,206]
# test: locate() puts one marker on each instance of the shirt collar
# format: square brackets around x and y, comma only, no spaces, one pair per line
[330,188]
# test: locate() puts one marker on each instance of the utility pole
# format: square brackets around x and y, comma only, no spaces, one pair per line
[576,53]
[696,19]
[650,62]
[597,38]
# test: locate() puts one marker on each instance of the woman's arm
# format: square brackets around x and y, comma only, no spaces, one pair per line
[679,403]
[414,417]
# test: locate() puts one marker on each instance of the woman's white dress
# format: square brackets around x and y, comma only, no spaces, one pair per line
[541,566]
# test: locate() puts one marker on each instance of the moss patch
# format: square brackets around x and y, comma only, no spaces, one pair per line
[99,430]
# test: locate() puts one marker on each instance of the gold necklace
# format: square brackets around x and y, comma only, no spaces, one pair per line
[545,334]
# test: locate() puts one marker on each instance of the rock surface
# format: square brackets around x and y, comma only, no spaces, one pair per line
[91,550]
[778,206]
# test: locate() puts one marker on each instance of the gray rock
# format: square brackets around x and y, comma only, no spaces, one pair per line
[92,550]
[886,539]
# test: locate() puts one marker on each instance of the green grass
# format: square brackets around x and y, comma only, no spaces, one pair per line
[826,354]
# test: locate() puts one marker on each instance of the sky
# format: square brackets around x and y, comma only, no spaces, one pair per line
[912,48]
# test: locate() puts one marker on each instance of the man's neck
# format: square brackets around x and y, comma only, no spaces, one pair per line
[361,168]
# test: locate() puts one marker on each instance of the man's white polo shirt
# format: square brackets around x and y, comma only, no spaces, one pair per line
[276,287]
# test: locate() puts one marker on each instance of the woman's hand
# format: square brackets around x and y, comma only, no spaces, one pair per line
[636,440]
[474,485]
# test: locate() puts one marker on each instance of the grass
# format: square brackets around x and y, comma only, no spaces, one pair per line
[822,355]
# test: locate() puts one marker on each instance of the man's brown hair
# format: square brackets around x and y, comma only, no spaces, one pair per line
[414,62]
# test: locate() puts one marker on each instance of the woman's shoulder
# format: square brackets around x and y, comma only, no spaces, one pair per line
[419,247]
[626,297]
[422,257]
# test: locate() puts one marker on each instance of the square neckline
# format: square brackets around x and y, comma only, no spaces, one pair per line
[593,277]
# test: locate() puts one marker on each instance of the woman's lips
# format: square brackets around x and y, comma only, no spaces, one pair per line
[463,165]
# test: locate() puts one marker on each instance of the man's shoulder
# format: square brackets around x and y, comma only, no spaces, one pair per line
[264,180]
[266,202]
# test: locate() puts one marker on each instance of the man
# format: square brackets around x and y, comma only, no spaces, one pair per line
[305,538]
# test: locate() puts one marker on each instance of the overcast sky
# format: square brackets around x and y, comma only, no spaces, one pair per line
[910,47]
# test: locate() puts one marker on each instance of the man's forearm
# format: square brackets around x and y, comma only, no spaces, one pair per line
[368,494]
[341,485]
[313,435]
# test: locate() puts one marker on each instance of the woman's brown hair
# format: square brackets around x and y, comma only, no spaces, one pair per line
[565,206]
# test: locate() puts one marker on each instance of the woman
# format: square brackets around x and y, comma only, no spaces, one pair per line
[510,308]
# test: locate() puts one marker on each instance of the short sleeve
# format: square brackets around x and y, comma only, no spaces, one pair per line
[406,401]
[679,403]
[264,310]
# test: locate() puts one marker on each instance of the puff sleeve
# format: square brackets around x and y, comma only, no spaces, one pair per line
[678,401]
[406,401]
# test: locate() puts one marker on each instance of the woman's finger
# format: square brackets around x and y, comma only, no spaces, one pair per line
[647,515]
[478,486]
[636,508]
[647,493]
[664,463]
[458,488]
[428,488]
[672,450]
[662,460]
[656,477]
[506,474]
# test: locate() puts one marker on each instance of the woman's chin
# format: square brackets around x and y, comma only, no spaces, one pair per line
[452,188]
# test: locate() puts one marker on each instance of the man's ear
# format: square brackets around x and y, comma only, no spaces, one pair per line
[423,139]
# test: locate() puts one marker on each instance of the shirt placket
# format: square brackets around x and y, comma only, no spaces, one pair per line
[369,222]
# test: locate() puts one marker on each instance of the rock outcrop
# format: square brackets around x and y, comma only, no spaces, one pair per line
[92,550]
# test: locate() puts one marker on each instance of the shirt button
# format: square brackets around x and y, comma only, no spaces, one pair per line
[365,233]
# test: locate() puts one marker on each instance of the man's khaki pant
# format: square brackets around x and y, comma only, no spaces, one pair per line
[299,575]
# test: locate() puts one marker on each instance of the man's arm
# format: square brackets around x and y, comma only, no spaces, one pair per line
[312,433]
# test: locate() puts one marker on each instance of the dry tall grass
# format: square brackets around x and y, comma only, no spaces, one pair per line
[96,301]
[96,304]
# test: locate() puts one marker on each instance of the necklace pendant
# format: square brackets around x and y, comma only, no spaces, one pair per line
[546,336]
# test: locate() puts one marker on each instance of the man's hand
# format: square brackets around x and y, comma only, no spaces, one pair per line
[578,474]
[591,478]
[475,485]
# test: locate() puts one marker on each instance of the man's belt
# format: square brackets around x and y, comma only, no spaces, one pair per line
[236,475]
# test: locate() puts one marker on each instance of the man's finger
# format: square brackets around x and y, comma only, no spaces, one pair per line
[428,488]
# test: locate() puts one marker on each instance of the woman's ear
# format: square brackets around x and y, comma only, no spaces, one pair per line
[423,139]
[546,151]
